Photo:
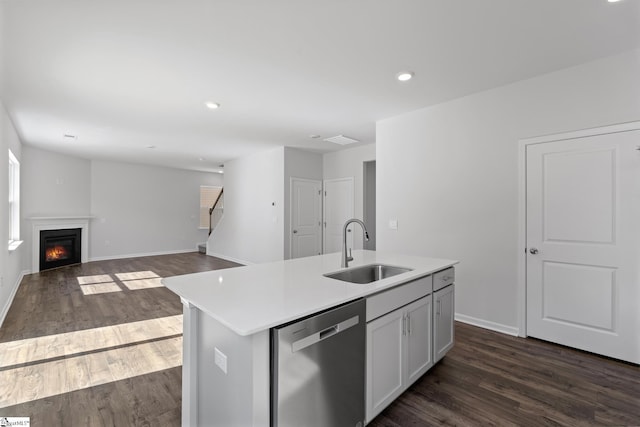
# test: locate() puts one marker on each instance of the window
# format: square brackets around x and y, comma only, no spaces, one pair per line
[208,196]
[14,202]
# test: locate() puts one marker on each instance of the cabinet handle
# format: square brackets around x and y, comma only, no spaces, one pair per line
[404,325]
[408,324]
[438,308]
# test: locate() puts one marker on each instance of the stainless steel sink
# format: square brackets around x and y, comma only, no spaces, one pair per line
[367,273]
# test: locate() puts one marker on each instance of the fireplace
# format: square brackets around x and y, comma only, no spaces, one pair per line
[60,247]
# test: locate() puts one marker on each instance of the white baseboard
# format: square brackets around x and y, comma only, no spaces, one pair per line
[7,306]
[138,255]
[486,324]
[232,259]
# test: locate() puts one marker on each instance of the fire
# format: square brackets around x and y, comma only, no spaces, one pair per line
[55,253]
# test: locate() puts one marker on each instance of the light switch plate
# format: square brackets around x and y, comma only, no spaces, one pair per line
[220,359]
[393,224]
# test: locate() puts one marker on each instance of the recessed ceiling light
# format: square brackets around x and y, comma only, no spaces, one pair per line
[613,1]
[314,136]
[404,76]
[69,137]
[212,105]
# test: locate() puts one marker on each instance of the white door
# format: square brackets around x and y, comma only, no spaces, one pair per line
[306,217]
[338,208]
[583,211]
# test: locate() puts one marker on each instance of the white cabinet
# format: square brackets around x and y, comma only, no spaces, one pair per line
[418,351]
[385,362]
[443,319]
[399,351]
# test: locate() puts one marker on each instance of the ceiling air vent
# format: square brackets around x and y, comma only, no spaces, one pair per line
[341,140]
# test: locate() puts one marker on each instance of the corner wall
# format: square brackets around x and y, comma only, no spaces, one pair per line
[252,227]
[145,210]
[52,185]
[449,173]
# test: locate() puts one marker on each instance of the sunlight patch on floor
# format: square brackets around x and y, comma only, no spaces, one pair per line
[100,288]
[135,285]
[100,278]
[136,275]
[106,283]
[69,343]
[20,385]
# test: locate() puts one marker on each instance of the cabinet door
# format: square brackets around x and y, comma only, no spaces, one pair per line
[419,355]
[384,362]
[443,338]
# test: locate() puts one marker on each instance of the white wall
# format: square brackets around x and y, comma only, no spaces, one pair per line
[52,185]
[449,173]
[55,184]
[252,227]
[350,163]
[144,209]
[11,263]
[297,164]
[139,209]
[369,203]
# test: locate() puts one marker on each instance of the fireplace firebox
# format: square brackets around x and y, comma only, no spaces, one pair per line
[60,247]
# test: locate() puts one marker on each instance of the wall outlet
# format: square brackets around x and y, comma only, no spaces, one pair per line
[220,359]
[393,224]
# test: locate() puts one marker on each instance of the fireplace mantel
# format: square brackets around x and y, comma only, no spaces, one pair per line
[48,218]
[40,223]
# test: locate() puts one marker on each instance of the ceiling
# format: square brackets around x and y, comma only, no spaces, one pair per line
[124,76]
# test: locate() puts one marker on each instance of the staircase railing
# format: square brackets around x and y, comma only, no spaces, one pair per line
[213,208]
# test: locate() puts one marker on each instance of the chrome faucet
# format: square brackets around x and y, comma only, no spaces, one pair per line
[345,258]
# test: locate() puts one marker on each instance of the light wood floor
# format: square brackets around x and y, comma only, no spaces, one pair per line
[99,344]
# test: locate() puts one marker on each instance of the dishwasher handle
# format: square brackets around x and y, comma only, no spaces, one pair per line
[316,337]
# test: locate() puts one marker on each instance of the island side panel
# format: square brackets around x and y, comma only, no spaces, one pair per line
[189,363]
[239,397]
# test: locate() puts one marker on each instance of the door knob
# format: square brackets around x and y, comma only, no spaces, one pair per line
[295,231]
[533,251]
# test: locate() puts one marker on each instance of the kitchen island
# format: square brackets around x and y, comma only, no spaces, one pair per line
[228,315]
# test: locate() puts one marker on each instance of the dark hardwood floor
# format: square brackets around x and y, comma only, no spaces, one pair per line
[487,379]
[494,379]
[52,302]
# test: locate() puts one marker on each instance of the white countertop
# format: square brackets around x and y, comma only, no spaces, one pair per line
[257,297]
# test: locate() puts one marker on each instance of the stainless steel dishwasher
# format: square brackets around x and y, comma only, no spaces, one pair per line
[318,369]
